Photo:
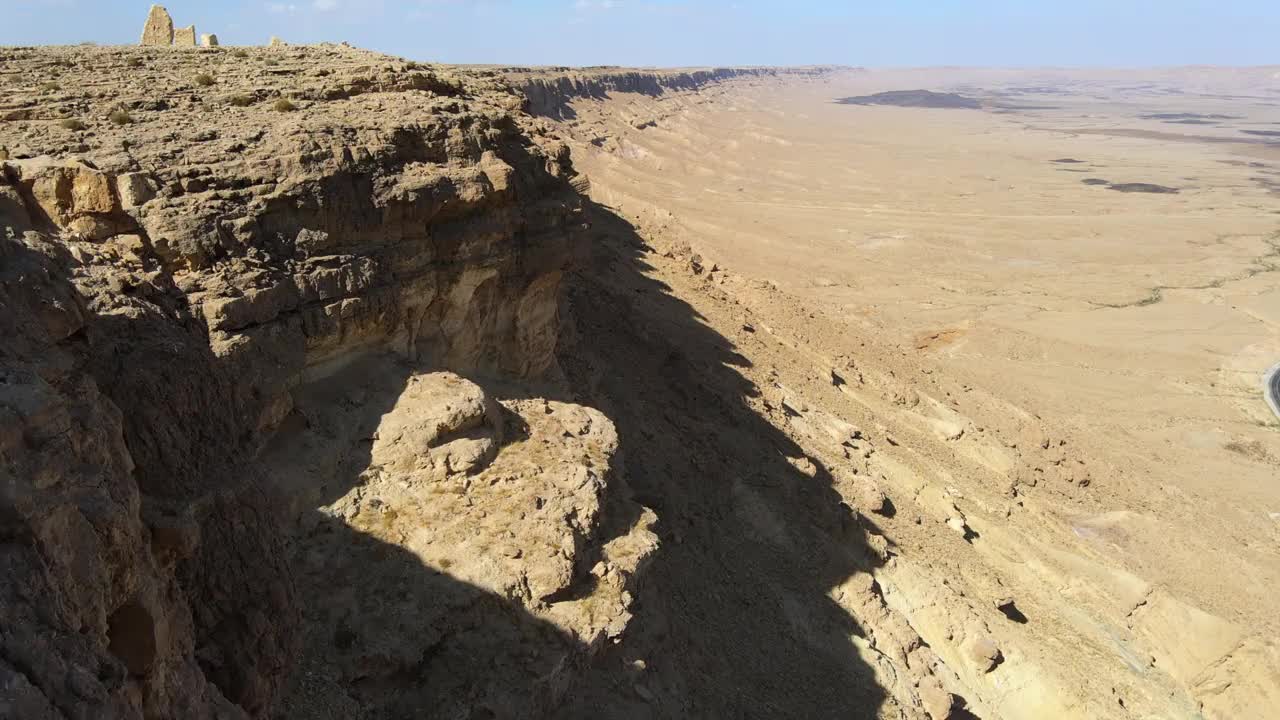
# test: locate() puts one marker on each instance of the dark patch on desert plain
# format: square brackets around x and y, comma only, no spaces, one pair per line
[1262,133]
[915,99]
[1183,117]
[1142,188]
[1132,187]
[1068,161]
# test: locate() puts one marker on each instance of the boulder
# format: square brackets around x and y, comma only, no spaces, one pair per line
[984,654]
[209,40]
[159,27]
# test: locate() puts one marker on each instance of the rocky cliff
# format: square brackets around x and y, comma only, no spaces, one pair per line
[551,90]
[232,283]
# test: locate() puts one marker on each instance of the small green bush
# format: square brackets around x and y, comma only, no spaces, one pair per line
[72,124]
[241,53]
[135,62]
[51,87]
[283,105]
[205,80]
[120,117]
[240,100]
[272,62]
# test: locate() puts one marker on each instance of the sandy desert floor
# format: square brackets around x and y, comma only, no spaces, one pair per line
[988,247]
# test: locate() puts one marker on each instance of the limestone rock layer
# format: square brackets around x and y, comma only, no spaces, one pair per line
[194,516]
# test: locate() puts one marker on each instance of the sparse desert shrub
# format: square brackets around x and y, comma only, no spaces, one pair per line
[240,100]
[283,105]
[120,117]
[135,62]
[272,62]
[50,87]
[72,124]
[205,80]
[240,53]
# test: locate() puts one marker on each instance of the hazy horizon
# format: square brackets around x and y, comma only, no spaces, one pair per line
[993,33]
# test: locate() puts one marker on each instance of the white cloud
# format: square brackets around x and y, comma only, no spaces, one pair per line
[280,8]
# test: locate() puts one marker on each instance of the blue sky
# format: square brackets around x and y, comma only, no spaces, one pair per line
[707,32]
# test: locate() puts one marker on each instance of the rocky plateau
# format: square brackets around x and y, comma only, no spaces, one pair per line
[331,388]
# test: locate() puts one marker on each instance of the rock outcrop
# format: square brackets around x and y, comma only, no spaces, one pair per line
[227,427]
[208,40]
[549,90]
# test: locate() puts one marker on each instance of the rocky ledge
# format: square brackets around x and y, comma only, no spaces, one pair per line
[551,90]
[269,318]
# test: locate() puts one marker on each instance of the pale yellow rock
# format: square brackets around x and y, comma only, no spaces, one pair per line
[159,27]
[134,189]
[185,37]
[937,702]
[276,42]
[209,40]
[984,653]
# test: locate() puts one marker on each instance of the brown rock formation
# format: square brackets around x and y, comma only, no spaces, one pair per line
[549,90]
[170,332]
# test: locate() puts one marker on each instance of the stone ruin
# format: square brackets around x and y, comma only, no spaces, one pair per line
[185,37]
[159,27]
[159,30]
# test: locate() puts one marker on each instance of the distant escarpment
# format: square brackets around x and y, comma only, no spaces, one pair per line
[250,306]
[550,90]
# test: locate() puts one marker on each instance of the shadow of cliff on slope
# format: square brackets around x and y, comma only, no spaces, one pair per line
[147,545]
[735,616]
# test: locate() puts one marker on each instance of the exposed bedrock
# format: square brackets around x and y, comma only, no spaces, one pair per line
[263,431]
[549,91]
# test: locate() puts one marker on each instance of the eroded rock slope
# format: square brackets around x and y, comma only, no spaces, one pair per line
[235,469]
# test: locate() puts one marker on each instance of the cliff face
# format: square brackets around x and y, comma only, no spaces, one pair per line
[179,285]
[551,90]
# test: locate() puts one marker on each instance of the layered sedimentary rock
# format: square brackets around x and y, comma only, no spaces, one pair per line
[550,89]
[203,307]
[159,27]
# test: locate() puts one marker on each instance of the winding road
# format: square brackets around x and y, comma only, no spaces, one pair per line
[1271,388]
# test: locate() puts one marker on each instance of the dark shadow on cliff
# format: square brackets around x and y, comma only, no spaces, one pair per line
[733,615]
[288,603]
[384,633]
